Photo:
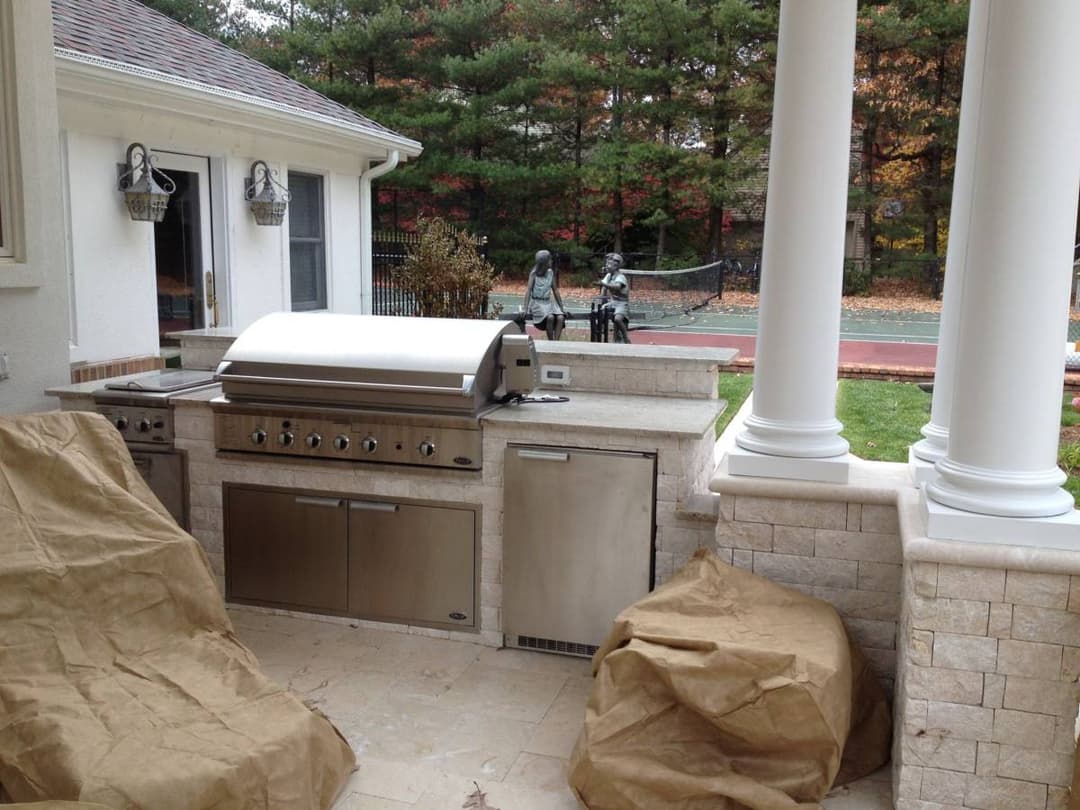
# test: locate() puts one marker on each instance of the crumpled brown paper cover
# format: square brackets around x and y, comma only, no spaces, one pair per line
[121,681]
[723,690]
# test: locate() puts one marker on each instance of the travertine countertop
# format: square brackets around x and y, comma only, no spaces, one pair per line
[664,416]
[86,388]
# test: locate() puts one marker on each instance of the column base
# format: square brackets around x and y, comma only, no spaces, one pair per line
[934,444]
[833,470]
[946,523]
[1004,493]
[922,471]
[807,440]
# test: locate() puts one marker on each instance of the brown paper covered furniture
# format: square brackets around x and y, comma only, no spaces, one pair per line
[121,681]
[723,690]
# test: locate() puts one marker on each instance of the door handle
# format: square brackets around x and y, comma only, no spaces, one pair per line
[543,455]
[306,500]
[373,506]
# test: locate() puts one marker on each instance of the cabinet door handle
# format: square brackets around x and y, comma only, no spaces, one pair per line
[305,500]
[374,506]
[541,455]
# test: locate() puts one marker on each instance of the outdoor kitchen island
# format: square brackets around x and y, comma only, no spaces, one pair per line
[665,410]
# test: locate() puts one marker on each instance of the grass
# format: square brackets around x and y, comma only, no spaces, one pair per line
[735,388]
[882,419]
[1069,453]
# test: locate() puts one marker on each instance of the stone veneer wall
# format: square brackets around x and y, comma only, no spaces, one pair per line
[661,371]
[847,554]
[987,694]
[985,659]
[679,463]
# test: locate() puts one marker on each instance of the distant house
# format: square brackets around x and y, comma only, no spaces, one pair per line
[126,74]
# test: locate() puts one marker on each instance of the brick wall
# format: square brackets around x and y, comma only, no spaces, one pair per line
[88,372]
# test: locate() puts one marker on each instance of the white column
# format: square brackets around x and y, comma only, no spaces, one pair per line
[1003,430]
[932,447]
[798,344]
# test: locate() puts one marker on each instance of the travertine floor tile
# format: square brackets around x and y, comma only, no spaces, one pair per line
[430,719]
[556,734]
[542,773]
[460,742]
[508,693]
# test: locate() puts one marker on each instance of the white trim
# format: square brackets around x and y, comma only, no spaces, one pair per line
[324,177]
[11,241]
[95,77]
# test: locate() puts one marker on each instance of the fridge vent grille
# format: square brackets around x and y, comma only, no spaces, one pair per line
[554,645]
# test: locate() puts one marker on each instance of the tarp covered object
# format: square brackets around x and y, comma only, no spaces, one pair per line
[121,681]
[722,690]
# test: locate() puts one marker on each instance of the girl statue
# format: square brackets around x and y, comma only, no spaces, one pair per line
[543,305]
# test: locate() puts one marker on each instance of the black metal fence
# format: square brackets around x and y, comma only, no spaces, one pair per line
[389,249]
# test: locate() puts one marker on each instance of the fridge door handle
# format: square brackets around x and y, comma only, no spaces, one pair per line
[543,455]
[373,506]
[306,500]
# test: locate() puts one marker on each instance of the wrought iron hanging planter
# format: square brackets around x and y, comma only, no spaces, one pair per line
[268,204]
[146,199]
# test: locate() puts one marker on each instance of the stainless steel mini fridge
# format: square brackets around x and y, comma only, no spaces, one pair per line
[578,532]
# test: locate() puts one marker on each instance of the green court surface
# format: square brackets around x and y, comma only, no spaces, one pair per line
[867,325]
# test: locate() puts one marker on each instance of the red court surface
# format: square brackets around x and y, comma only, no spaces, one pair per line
[852,352]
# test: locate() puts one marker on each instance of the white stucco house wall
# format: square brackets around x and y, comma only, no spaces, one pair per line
[33,280]
[126,74]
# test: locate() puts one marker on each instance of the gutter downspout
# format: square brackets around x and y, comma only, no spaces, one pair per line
[366,265]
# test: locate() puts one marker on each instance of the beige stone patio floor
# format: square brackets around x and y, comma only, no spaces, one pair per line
[431,719]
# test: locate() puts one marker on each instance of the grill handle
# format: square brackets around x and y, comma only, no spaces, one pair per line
[466,389]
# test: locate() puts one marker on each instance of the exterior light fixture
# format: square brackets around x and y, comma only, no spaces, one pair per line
[146,199]
[268,204]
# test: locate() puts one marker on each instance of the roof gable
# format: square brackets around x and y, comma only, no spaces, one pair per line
[128,32]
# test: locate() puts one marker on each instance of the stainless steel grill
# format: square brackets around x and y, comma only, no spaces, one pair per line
[141,410]
[369,388]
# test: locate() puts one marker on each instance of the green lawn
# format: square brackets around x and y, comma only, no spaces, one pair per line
[735,388]
[882,419]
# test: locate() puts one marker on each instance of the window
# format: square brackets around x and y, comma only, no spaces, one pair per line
[307,242]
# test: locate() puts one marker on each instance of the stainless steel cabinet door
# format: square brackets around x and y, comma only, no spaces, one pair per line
[166,475]
[412,563]
[577,541]
[286,549]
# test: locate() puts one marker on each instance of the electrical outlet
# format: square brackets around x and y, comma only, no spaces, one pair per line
[4,373]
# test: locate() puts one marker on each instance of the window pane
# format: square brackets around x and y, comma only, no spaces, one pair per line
[307,248]
[308,275]
[305,209]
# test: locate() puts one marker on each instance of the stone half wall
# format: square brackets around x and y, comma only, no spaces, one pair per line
[847,554]
[979,644]
[987,694]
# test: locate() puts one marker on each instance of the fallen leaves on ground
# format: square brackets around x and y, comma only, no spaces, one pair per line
[478,801]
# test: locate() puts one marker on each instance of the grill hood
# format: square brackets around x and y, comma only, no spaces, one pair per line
[431,364]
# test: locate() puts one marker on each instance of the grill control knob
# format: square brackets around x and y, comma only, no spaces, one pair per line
[121,423]
[258,436]
[313,440]
[427,448]
[143,425]
[369,444]
[341,442]
[285,438]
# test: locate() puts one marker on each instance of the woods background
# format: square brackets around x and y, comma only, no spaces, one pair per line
[640,126]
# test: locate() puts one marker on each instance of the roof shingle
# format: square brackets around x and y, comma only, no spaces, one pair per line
[126,31]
